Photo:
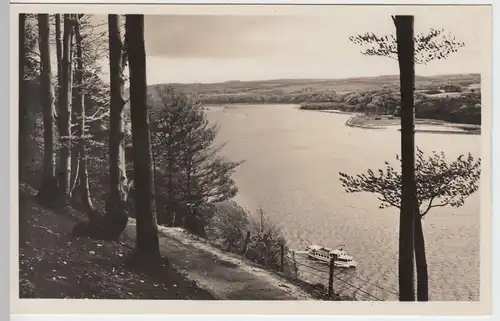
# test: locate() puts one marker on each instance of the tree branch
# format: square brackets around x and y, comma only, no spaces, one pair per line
[429,206]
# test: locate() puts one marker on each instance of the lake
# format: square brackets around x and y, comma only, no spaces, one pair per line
[292,160]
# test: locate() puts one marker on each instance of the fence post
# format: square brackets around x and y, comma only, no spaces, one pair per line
[282,252]
[330,279]
[245,245]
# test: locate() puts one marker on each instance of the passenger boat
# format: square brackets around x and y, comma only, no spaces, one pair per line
[325,254]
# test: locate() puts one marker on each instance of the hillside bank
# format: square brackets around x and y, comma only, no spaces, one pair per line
[55,264]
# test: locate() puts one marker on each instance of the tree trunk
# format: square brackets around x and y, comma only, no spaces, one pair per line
[116,217]
[58,39]
[58,49]
[22,95]
[172,209]
[64,106]
[153,161]
[147,229]
[74,175]
[94,223]
[75,148]
[22,125]
[170,188]
[174,217]
[406,48]
[189,212]
[48,185]
[421,262]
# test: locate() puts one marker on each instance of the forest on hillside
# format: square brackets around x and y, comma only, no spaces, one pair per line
[113,152]
[455,99]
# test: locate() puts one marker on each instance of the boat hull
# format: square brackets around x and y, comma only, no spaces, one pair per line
[336,263]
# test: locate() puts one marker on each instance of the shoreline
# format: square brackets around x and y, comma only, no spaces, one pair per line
[443,127]
[453,128]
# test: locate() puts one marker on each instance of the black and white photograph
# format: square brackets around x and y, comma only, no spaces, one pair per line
[253,153]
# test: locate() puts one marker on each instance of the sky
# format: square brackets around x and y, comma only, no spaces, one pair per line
[217,48]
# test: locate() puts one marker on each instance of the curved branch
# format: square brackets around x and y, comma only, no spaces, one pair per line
[429,206]
[436,205]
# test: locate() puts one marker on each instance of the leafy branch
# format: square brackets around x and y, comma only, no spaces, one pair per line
[437,44]
[439,183]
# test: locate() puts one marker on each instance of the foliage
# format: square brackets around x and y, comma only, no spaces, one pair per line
[439,183]
[453,88]
[434,45]
[464,108]
[230,224]
[95,90]
[190,173]
[266,241]
[272,97]
[32,54]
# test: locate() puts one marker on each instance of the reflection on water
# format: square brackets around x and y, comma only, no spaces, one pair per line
[293,158]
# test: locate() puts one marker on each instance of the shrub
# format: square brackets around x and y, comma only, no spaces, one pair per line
[229,226]
[265,242]
[453,88]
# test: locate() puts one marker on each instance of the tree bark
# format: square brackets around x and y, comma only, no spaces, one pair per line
[58,48]
[48,186]
[58,39]
[64,108]
[421,262]
[147,229]
[74,176]
[22,125]
[116,217]
[189,213]
[22,94]
[406,52]
[170,188]
[75,148]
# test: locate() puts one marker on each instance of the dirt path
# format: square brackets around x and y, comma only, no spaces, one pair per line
[226,276]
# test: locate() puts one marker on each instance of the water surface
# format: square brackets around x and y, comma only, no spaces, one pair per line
[292,160]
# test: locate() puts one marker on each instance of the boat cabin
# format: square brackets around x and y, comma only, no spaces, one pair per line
[326,255]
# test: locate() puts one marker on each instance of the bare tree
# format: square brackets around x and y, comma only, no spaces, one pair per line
[147,230]
[116,217]
[49,183]
[434,45]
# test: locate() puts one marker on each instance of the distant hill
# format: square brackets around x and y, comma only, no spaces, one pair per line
[339,85]
[307,90]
